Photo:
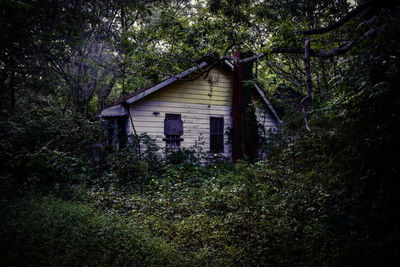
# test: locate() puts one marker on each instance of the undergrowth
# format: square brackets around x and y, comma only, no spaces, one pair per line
[218,214]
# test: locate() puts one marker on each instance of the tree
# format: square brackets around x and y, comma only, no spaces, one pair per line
[65,49]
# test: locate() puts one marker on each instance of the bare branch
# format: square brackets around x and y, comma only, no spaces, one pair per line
[338,50]
[299,50]
[246,60]
[206,72]
[291,77]
[321,53]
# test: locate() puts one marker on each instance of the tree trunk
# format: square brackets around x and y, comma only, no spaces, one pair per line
[107,92]
[237,92]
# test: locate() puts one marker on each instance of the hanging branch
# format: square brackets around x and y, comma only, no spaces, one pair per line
[308,97]
[205,71]
[134,130]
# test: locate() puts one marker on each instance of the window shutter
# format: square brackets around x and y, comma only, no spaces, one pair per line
[173,124]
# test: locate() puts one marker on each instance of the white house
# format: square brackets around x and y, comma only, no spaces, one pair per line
[176,111]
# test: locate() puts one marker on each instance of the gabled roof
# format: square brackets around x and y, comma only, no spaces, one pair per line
[141,93]
[264,97]
[119,110]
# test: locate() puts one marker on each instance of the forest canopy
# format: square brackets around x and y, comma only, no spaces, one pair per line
[326,194]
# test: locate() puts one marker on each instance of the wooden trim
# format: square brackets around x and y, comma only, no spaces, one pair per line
[114,111]
[173,139]
[267,102]
[230,65]
[164,83]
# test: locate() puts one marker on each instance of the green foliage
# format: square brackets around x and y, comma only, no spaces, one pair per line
[52,232]
[131,166]
[326,197]
[46,145]
[191,215]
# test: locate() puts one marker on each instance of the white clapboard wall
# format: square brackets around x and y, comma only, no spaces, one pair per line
[148,117]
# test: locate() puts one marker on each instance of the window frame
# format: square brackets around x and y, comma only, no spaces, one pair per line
[116,131]
[172,141]
[217,134]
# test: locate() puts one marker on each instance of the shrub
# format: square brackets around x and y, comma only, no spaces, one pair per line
[52,232]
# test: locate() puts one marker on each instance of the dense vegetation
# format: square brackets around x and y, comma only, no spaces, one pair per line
[328,196]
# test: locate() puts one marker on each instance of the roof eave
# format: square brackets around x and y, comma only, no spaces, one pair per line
[263,96]
[114,111]
[165,83]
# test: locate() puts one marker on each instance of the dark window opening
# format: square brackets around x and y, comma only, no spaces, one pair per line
[116,131]
[109,126]
[173,130]
[216,135]
[122,134]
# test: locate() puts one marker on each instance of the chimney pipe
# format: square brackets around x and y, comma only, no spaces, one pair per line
[237,93]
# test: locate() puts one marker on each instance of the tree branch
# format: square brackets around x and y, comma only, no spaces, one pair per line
[308,97]
[299,50]
[338,50]
[245,60]
[340,22]
[206,71]
[321,53]
[107,92]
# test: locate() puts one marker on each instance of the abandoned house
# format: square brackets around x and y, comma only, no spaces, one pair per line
[233,116]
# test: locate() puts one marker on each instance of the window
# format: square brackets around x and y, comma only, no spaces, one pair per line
[216,135]
[110,127]
[122,133]
[116,131]
[173,129]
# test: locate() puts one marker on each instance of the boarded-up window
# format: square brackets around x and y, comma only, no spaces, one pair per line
[173,129]
[216,135]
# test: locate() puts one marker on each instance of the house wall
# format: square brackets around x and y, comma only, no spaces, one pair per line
[215,90]
[196,101]
[265,118]
[268,124]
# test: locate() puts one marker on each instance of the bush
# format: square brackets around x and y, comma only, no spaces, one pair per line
[216,214]
[52,232]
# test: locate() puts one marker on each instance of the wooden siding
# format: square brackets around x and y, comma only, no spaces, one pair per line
[215,90]
[265,118]
[269,125]
[148,117]
[196,101]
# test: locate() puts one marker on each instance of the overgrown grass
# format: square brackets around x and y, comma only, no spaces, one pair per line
[192,215]
[52,232]
[226,216]
[97,206]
